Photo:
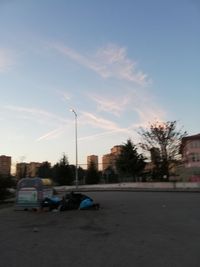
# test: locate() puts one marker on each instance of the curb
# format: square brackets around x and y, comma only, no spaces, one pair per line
[129,190]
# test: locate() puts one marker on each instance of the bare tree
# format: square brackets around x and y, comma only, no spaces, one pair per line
[166,137]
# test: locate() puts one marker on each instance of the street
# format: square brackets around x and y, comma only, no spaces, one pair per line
[137,229]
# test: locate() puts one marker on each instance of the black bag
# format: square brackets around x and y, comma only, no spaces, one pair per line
[72,201]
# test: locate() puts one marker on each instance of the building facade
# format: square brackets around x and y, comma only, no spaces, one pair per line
[5,165]
[32,170]
[21,170]
[24,169]
[109,160]
[190,150]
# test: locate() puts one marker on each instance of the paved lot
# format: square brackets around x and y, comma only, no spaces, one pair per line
[132,229]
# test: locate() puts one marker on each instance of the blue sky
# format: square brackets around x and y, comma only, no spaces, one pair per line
[119,64]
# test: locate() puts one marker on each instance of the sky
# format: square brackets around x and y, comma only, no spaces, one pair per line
[119,64]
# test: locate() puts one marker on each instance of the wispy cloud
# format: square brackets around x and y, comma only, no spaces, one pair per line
[129,102]
[52,134]
[89,120]
[108,61]
[6,59]
[38,113]
[95,136]
[109,127]
[95,121]
[115,63]
[114,105]
[44,117]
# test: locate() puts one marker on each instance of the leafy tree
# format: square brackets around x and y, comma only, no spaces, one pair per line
[92,174]
[130,162]
[81,175]
[62,173]
[44,171]
[166,138]
[5,184]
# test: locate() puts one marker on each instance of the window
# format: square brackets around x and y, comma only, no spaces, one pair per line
[194,157]
[195,144]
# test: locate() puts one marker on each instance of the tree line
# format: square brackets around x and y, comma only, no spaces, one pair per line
[161,140]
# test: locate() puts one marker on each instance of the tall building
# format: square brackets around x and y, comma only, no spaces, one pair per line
[93,159]
[21,170]
[32,170]
[24,169]
[5,165]
[109,160]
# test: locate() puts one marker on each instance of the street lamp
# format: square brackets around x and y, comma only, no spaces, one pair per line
[76,143]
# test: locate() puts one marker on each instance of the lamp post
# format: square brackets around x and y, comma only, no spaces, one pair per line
[76,144]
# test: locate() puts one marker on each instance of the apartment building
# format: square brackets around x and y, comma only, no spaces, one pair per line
[5,165]
[21,170]
[32,169]
[190,149]
[24,169]
[93,159]
[108,160]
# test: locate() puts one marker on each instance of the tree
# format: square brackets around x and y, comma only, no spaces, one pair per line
[62,173]
[81,175]
[130,162]
[92,174]
[165,138]
[44,171]
[6,182]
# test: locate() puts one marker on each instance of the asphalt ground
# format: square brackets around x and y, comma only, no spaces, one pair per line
[133,229]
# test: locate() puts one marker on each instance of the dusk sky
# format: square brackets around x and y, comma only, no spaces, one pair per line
[119,64]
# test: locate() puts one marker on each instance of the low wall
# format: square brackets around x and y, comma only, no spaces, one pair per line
[159,186]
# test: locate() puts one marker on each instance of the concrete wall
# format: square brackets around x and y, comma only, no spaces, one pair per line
[179,186]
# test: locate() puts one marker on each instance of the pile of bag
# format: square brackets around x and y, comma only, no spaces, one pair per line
[70,201]
[78,201]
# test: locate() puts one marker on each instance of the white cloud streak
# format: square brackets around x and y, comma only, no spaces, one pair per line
[115,106]
[101,123]
[95,136]
[44,117]
[38,113]
[52,134]
[110,61]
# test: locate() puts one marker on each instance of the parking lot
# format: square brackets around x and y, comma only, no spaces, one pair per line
[131,229]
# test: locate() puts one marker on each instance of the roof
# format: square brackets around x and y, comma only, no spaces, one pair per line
[191,137]
[188,138]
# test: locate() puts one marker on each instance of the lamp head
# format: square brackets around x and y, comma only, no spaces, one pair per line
[72,110]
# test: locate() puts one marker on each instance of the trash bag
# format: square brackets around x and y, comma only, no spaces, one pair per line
[51,202]
[72,201]
[86,203]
